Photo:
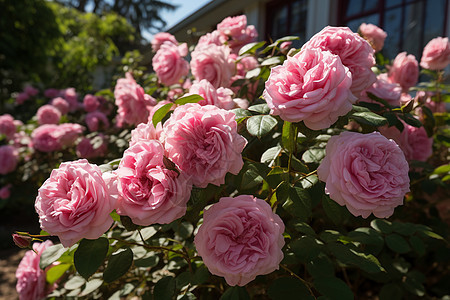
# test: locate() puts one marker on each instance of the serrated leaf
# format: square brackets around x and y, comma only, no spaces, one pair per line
[305,248]
[295,200]
[347,255]
[185,229]
[320,266]
[235,293]
[90,255]
[159,115]
[251,48]
[260,125]
[333,210]
[369,118]
[164,288]
[411,120]
[275,60]
[397,243]
[251,176]
[50,255]
[270,155]
[304,228]
[118,265]
[260,108]
[288,288]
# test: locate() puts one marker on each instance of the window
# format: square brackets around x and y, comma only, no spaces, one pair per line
[410,24]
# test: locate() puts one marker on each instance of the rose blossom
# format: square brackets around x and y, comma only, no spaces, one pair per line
[404,71]
[312,86]
[204,143]
[169,64]
[240,238]
[5,191]
[48,114]
[211,38]
[72,98]
[365,172]
[285,46]
[9,158]
[425,98]
[382,88]
[31,91]
[236,31]
[162,37]
[50,137]
[31,279]
[145,132]
[94,119]
[436,54]
[150,193]
[91,148]
[354,52]
[374,34]
[51,93]
[220,97]
[22,97]
[133,104]
[61,104]
[212,63]
[414,142]
[7,126]
[75,202]
[90,103]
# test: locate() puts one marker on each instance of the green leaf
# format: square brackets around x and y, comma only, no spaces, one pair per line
[413,283]
[403,228]
[333,210]
[289,137]
[188,99]
[288,288]
[368,236]
[305,248]
[118,265]
[251,176]
[417,244]
[411,120]
[147,262]
[251,48]
[320,266]
[241,113]
[369,118]
[161,113]
[313,155]
[55,272]
[74,283]
[185,229]
[90,255]
[287,39]
[235,293]
[164,289]
[295,201]
[260,108]
[381,226]
[50,255]
[270,155]
[391,291]
[252,73]
[397,243]
[91,286]
[275,60]
[260,125]
[201,275]
[333,288]
[444,169]
[304,228]
[366,262]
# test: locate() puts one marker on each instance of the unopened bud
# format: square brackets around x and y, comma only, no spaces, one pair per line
[22,241]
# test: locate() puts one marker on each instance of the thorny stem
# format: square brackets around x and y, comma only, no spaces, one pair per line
[299,278]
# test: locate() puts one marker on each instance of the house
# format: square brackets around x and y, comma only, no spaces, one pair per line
[410,24]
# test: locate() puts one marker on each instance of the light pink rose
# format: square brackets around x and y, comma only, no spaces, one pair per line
[96,120]
[150,193]
[7,126]
[174,93]
[133,104]
[405,98]
[414,142]
[9,158]
[221,97]
[382,88]
[241,103]
[285,46]
[374,35]
[50,137]
[61,104]
[211,38]
[365,172]
[91,148]
[246,64]
[436,54]
[404,71]
[169,64]
[240,238]
[31,91]
[145,132]
[51,93]
[236,31]
[48,114]
[312,86]
[90,103]
[67,133]
[425,98]
[22,97]
[212,63]
[162,37]
[5,192]
[31,279]
[204,143]
[354,52]
[75,202]
[72,97]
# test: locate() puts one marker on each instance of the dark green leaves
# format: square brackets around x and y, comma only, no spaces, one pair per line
[369,118]
[164,289]
[288,288]
[260,125]
[161,113]
[366,262]
[333,288]
[118,265]
[397,243]
[90,256]
[295,201]
[50,255]
[235,293]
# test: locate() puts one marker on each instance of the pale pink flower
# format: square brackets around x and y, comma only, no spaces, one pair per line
[236,31]
[22,97]
[221,97]
[382,88]
[374,35]
[365,172]
[436,54]
[31,279]
[145,132]
[90,103]
[72,98]
[354,52]
[48,114]
[241,103]
[9,158]
[240,238]
[162,37]
[61,104]
[150,193]
[169,64]
[7,126]
[211,38]
[204,143]
[96,120]
[285,46]
[313,86]
[75,202]
[404,71]
[50,137]
[91,148]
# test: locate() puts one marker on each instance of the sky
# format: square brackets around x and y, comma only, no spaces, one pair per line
[185,8]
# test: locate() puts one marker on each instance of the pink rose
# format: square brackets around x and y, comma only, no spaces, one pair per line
[150,193]
[96,120]
[404,71]
[241,103]
[204,143]
[7,126]
[426,99]
[5,192]
[240,238]
[72,98]
[211,38]
[48,114]
[382,88]
[31,279]
[162,37]
[169,64]
[436,54]
[75,202]
[133,104]
[313,86]
[221,97]
[31,91]
[50,137]
[354,52]
[61,104]
[213,64]
[365,172]
[51,93]
[9,158]
[236,31]
[246,64]
[22,97]
[67,133]
[285,46]
[90,103]
[145,132]
[91,148]
[414,142]
[374,35]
